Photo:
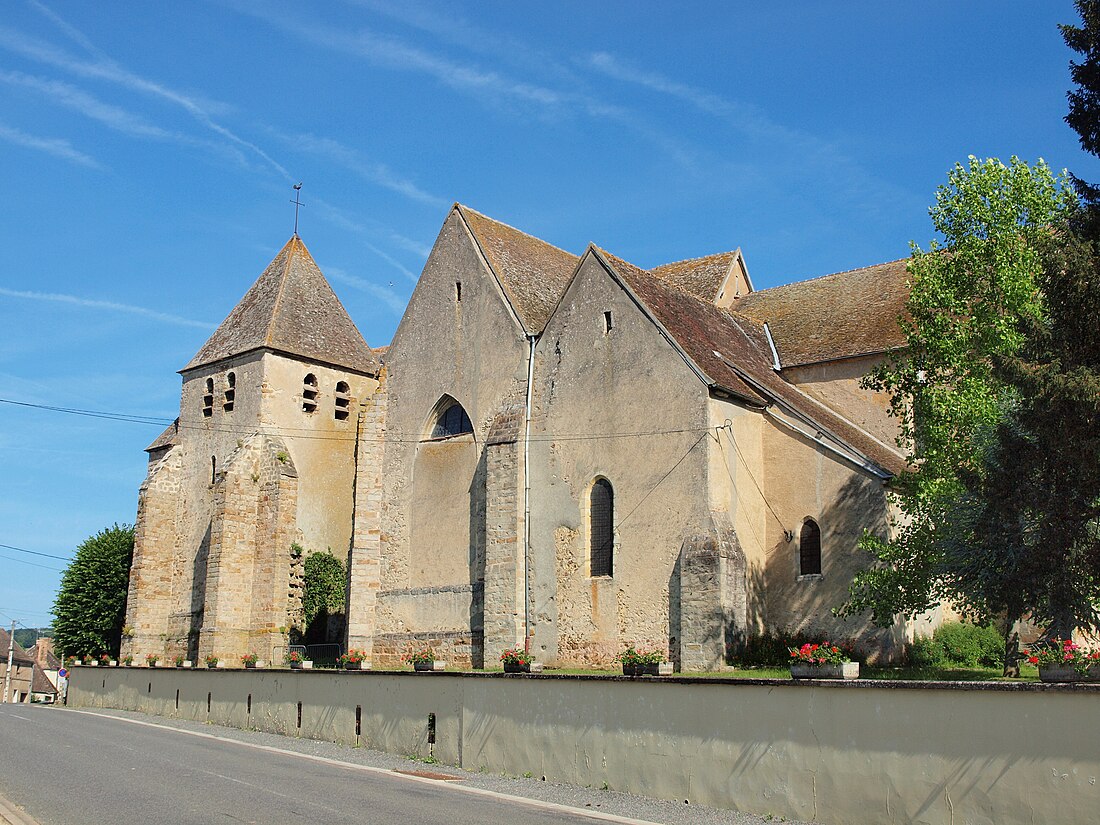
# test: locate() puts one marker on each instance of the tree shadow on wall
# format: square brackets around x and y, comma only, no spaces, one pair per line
[198,595]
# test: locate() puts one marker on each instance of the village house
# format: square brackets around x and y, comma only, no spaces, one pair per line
[565,452]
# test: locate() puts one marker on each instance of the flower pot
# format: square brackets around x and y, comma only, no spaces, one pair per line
[517,667]
[112,663]
[363,665]
[847,670]
[650,669]
[1060,673]
[251,665]
[306,665]
[428,667]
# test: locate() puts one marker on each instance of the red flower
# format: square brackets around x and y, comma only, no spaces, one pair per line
[1033,659]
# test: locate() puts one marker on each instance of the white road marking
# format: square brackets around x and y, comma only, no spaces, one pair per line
[436,783]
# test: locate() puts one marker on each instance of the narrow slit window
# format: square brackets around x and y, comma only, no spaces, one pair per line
[213,469]
[458,291]
[230,392]
[208,399]
[343,401]
[809,549]
[607,322]
[309,393]
[601,529]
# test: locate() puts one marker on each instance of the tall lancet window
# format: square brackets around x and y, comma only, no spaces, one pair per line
[601,528]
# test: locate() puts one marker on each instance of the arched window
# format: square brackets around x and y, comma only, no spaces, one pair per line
[309,393]
[452,421]
[213,469]
[809,549]
[208,399]
[343,401]
[230,392]
[601,528]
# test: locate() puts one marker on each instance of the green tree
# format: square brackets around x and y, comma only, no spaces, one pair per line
[1084,100]
[91,604]
[973,298]
[323,594]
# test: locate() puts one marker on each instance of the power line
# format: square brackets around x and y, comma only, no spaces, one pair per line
[136,419]
[35,552]
[33,564]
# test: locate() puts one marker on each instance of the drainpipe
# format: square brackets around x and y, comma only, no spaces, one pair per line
[531,339]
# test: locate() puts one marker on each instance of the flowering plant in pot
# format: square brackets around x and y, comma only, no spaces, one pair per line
[516,660]
[105,660]
[151,660]
[1063,660]
[181,661]
[88,661]
[422,659]
[822,660]
[354,659]
[298,661]
[127,661]
[249,659]
[211,661]
[638,662]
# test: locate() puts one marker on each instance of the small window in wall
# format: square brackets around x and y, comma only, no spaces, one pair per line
[809,549]
[309,393]
[601,528]
[451,422]
[208,398]
[343,401]
[213,469]
[230,392]
[607,323]
[458,291]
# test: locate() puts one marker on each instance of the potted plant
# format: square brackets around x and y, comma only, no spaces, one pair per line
[643,662]
[354,660]
[106,661]
[128,661]
[250,660]
[298,661]
[88,661]
[423,659]
[181,661]
[211,661]
[516,660]
[151,660]
[822,660]
[1062,660]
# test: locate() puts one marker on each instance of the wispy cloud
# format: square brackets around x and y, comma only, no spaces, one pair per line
[112,306]
[110,71]
[377,173]
[386,295]
[338,217]
[58,147]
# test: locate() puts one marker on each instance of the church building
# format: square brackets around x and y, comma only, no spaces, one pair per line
[567,453]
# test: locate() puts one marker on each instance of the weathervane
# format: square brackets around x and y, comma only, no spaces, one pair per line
[297,204]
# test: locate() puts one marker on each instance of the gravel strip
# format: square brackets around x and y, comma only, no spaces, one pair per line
[606,801]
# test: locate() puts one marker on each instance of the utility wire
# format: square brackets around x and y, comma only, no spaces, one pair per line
[33,564]
[35,552]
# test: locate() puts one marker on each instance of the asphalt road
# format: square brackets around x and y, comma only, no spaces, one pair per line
[78,768]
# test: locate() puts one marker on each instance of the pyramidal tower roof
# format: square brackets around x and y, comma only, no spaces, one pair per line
[290,309]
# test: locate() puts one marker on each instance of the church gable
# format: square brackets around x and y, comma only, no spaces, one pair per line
[717,279]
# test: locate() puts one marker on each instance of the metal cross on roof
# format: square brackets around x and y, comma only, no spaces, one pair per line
[297,204]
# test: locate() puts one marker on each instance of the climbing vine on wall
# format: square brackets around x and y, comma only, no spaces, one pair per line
[325,582]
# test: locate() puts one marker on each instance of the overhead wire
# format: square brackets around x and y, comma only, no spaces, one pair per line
[35,552]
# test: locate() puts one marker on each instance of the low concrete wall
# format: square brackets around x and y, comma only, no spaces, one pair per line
[865,752]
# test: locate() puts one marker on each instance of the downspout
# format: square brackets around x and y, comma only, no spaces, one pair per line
[531,339]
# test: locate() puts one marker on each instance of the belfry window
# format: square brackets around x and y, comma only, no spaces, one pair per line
[343,401]
[601,528]
[809,549]
[208,399]
[230,392]
[309,393]
[452,421]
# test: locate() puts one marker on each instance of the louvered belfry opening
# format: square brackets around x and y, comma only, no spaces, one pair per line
[601,536]
[809,549]
[230,392]
[208,399]
[309,393]
[343,401]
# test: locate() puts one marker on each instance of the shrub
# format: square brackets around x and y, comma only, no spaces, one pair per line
[958,644]
[774,649]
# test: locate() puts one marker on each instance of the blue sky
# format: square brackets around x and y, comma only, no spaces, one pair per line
[148,152]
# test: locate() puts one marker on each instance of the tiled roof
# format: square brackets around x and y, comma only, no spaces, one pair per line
[291,309]
[40,683]
[166,438]
[44,657]
[19,655]
[733,352]
[533,273]
[702,277]
[837,316]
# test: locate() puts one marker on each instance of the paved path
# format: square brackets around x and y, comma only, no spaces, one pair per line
[66,767]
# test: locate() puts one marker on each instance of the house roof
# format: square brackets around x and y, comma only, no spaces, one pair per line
[290,309]
[702,277]
[19,655]
[40,683]
[166,438]
[732,351]
[836,316]
[532,273]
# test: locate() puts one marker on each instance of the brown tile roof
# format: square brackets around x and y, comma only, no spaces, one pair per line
[837,316]
[702,277]
[166,438]
[19,655]
[532,273]
[43,656]
[732,351]
[40,683]
[291,309]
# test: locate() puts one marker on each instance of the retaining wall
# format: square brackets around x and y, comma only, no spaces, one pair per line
[863,752]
